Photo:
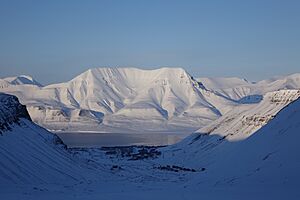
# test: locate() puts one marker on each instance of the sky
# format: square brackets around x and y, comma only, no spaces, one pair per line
[55,40]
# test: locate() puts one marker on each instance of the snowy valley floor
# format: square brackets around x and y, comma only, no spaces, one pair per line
[95,191]
[35,164]
[124,178]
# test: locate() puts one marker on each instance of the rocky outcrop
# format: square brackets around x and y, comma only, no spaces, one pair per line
[11,111]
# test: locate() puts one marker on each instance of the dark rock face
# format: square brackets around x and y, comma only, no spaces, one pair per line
[11,111]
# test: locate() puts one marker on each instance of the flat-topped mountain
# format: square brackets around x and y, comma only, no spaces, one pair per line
[128,98]
[135,100]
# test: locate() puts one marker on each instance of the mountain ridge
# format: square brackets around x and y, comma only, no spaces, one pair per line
[132,99]
[162,97]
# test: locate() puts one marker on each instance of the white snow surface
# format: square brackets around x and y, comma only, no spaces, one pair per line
[269,157]
[236,88]
[30,154]
[236,125]
[22,80]
[263,166]
[124,99]
[135,100]
[244,120]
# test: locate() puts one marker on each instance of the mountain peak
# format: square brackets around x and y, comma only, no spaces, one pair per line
[134,70]
[11,111]
[22,80]
[130,75]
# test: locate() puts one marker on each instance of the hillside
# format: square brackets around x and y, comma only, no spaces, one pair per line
[31,155]
[236,125]
[22,80]
[123,99]
[236,88]
[35,165]
[265,163]
[133,100]
[270,157]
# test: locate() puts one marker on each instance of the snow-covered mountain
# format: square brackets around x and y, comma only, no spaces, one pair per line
[124,98]
[21,80]
[236,125]
[135,100]
[253,149]
[31,154]
[244,120]
[236,88]
[270,156]
[35,165]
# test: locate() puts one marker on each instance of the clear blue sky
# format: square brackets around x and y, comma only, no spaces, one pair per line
[56,40]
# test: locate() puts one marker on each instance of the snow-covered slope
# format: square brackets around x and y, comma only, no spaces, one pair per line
[271,156]
[35,162]
[11,111]
[124,98]
[268,158]
[4,84]
[135,100]
[245,119]
[21,80]
[222,82]
[236,88]
[236,125]
[29,153]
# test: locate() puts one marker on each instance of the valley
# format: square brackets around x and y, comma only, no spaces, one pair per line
[181,134]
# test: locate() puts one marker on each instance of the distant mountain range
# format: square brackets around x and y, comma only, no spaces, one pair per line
[131,99]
